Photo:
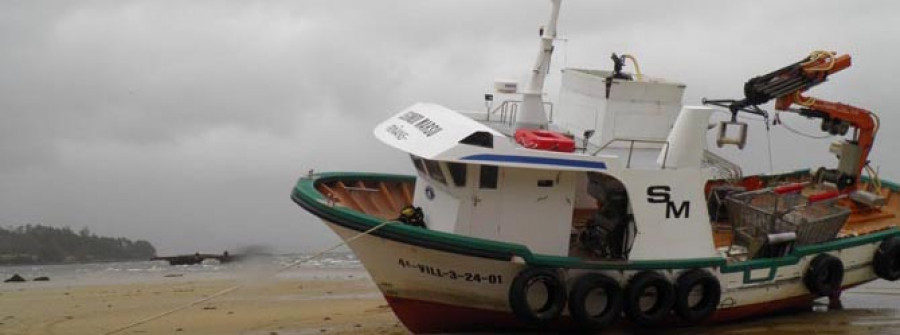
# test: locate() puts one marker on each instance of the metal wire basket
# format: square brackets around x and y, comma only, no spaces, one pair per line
[756,214]
[816,223]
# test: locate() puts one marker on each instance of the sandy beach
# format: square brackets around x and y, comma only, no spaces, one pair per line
[346,305]
[325,301]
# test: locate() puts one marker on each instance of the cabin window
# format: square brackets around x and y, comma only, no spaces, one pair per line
[479,138]
[417,162]
[434,170]
[458,173]
[488,177]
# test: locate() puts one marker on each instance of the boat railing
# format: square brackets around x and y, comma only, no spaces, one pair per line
[361,189]
[723,168]
[631,142]
[508,110]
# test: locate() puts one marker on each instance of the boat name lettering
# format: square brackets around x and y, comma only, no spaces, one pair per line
[412,117]
[422,123]
[660,195]
[727,303]
[397,131]
[451,274]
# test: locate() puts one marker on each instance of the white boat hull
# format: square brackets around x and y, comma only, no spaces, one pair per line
[439,291]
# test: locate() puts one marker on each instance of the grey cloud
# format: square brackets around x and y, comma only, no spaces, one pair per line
[187,122]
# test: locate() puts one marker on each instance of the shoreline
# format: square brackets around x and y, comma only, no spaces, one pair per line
[9,265]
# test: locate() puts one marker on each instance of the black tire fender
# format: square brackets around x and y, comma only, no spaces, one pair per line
[710,289]
[824,275]
[887,259]
[556,294]
[583,288]
[659,310]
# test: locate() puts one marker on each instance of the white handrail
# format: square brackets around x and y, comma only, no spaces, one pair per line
[509,109]
[631,148]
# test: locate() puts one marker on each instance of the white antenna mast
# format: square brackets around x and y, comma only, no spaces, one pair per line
[532,114]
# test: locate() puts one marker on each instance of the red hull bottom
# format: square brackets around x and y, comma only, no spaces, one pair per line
[430,317]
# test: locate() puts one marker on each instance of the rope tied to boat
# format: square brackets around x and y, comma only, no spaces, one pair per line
[236,287]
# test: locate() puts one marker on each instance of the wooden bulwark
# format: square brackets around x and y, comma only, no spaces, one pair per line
[328,193]
[388,196]
[377,198]
[346,198]
[407,194]
[361,197]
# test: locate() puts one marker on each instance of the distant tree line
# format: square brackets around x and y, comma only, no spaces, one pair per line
[38,244]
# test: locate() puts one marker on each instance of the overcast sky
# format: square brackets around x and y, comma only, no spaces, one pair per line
[186,123]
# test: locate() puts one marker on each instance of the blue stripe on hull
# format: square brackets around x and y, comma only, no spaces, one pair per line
[537,160]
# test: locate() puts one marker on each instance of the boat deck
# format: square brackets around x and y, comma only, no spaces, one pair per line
[862,221]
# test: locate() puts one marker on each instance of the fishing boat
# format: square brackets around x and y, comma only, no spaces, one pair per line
[609,206]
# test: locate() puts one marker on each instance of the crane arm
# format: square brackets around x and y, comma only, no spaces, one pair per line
[836,120]
[787,85]
[798,77]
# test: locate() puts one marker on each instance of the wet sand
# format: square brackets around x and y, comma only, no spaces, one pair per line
[342,303]
[348,305]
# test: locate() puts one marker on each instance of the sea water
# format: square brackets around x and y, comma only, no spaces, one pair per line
[296,266]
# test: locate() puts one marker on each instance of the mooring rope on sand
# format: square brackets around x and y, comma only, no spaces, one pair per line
[235,287]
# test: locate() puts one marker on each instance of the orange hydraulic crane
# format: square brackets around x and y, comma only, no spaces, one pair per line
[786,86]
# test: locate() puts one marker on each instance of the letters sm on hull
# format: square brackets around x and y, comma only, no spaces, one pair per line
[670,208]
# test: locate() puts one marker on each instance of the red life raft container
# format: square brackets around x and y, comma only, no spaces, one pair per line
[544,140]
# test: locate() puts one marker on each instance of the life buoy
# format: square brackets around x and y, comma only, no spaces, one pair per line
[548,308]
[649,298]
[697,294]
[887,259]
[824,275]
[595,301]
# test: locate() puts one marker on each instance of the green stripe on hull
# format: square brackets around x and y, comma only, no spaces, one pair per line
[305,191]
[885,183]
